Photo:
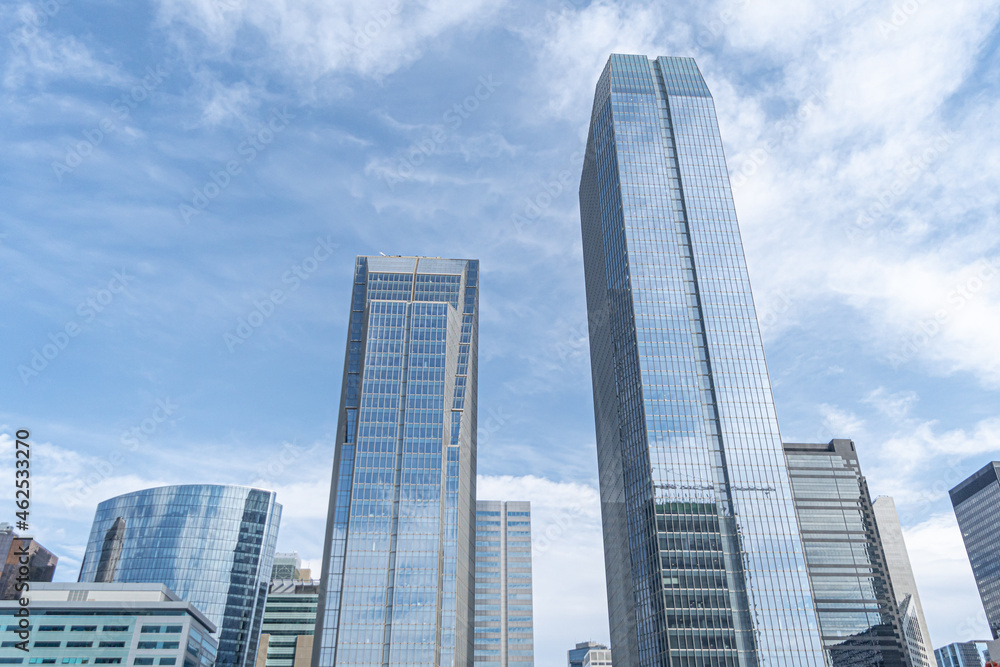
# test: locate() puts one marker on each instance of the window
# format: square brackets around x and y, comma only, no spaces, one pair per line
[11,661]
[168,661]
[116,628]
[42,661]
[173,629]
[7,644]
[142,661]
[47,644]
[79,644]
[151,628]
[75,661]
[112,644]
[51,628]
[108,661]
[148,645]
[84,628]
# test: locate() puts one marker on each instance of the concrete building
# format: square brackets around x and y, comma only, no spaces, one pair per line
[588,654]
[41,562]
[904,585]
[107,624]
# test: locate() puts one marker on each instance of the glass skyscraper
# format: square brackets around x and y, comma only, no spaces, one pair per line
[703,555]
[855,603]
[213,545]
[397,584]
[977,508]
[504,618]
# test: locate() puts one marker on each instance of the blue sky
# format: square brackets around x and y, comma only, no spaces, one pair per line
[171,168]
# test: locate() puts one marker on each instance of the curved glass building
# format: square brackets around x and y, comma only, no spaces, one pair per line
[211,544]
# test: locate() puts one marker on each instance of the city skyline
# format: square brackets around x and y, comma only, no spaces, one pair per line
[860,146]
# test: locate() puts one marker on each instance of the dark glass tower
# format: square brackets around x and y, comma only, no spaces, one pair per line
[977,508]
[397,586]
[702,548]
[859,620]
[213,545]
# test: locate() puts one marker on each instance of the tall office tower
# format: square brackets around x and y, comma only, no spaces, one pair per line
[504,619]
[17,552]
[701,546]
[976,501]
[399,556]
[589,654]
[911,613]
[213,545]
[858,616]
[959,654]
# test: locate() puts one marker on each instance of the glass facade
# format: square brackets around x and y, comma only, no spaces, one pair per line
[213,545]
[504,618]
[397,584]
[959,654]
[904,585]
[703,555]
[858,618]
[977,508]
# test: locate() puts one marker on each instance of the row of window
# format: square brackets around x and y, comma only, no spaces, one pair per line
[90,644]
[78,628]
[86,661]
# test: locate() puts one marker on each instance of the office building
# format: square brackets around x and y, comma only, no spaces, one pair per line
[286,638]
[587,654]
[904,585]
[107,624]
[212,545]
[41,562]
[703,556]
[397,582]
[504,618]
[858,616]
[977,508]
[959,654]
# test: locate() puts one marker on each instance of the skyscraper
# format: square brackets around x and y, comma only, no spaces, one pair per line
[288,630]
[904,585]
[213,545]
[14,550]
[504,618]
[959,654]
[702,548]
[589,654]
[858,616]
[977,508]
[397,584]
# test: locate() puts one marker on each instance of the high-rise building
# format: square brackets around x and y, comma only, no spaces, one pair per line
[106,624]
[858,616]
[15,551]
[904,585]
[589,654]
[504,619]
[977,508]
[287,634]
[399,555]
[702,550]
[212,545]
[959,654]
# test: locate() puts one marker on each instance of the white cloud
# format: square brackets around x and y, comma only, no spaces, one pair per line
[310,38]
[944,578]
